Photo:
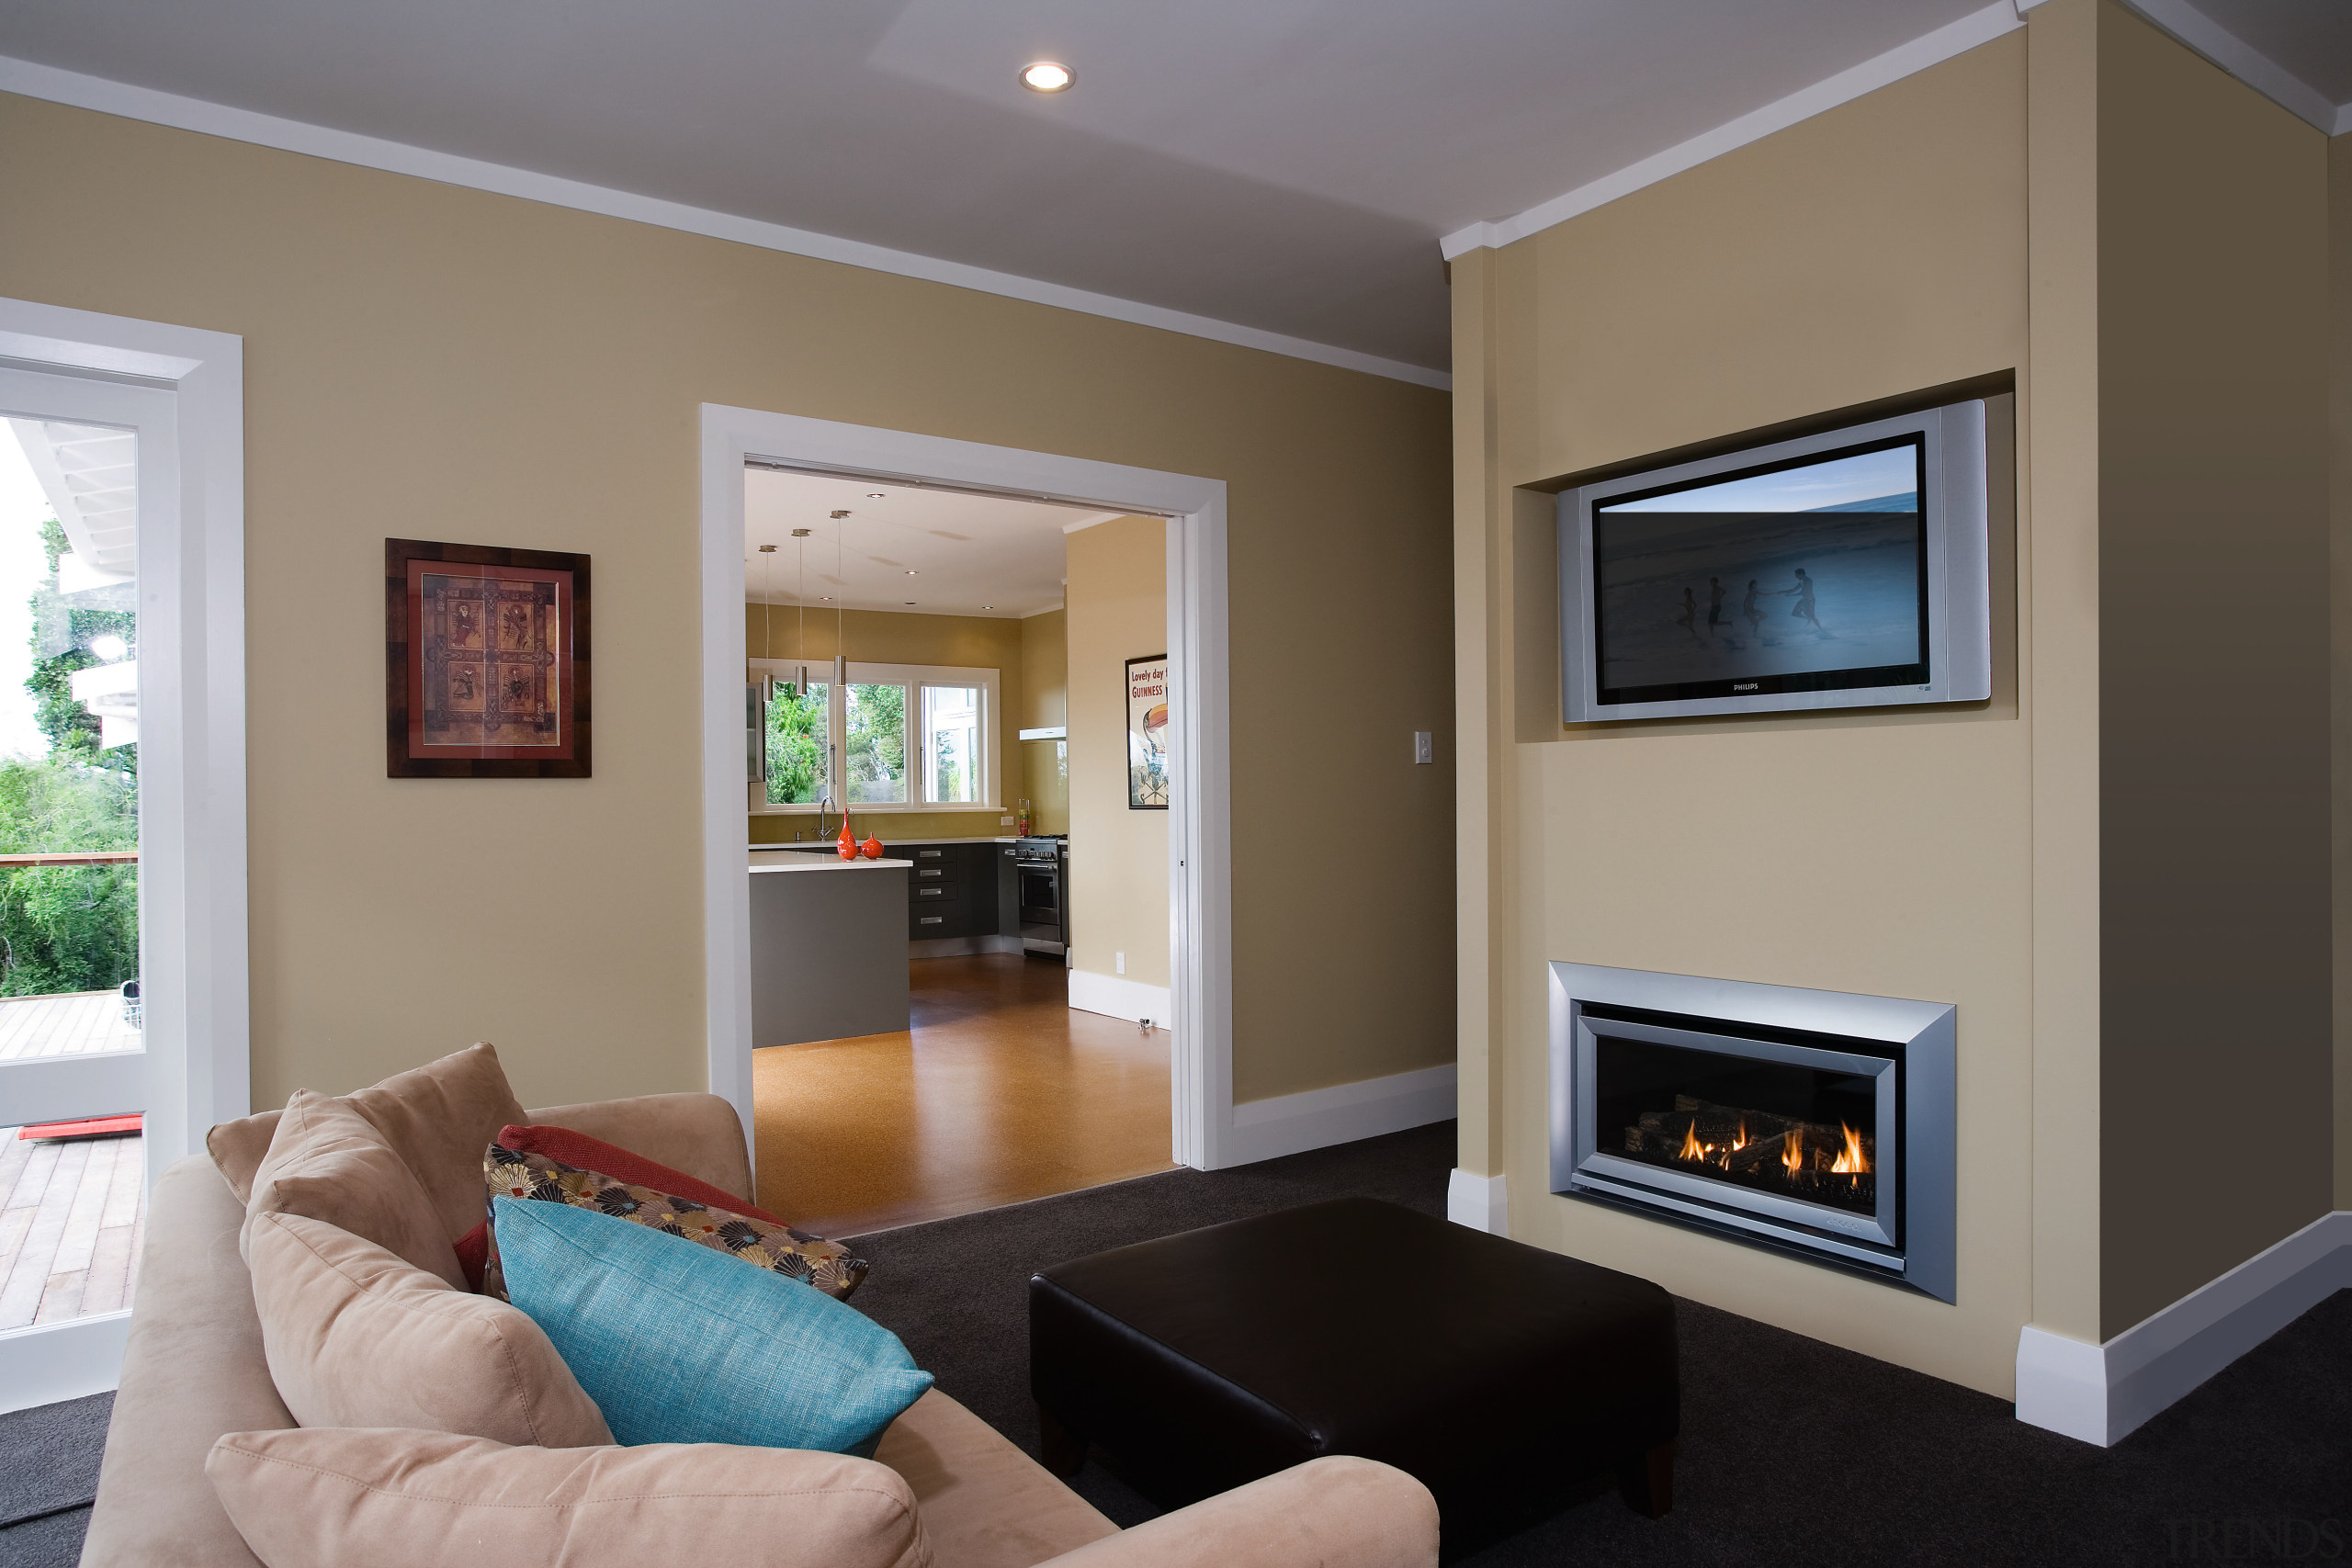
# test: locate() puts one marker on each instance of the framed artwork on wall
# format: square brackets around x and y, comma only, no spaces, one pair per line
[1147,733]
[486,662]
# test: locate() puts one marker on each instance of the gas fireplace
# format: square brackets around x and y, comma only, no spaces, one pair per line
[1811,1122]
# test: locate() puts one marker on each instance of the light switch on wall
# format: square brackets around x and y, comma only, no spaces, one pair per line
[1119,963]
[1423,750]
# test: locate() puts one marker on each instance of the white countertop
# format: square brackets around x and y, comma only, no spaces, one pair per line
[764,858]
[807,845]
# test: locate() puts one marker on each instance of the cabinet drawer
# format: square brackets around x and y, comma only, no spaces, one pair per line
[932,921]
[924,874]
[932,893]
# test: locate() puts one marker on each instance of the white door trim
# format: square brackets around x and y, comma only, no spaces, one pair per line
[1200,835]
[192,753]
[183,390]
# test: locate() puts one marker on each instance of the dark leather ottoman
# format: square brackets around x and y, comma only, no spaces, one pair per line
[1489,1369]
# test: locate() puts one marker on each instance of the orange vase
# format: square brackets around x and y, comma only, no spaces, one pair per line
[848,842]
[873,848]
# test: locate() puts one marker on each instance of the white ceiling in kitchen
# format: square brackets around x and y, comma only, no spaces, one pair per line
[901,548]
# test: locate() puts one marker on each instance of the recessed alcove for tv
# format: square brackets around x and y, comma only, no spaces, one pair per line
[1845,568]
[1815,1122]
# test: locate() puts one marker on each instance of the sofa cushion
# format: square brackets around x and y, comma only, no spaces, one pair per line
[328,1162]
[355,1336]
[984,1503]
[699,1134]
[759,1242]
[192,1369]
[394,1499]
[581,1152]
[438,1117]
[680,1343]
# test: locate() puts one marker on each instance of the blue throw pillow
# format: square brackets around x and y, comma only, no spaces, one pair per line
[680,1343]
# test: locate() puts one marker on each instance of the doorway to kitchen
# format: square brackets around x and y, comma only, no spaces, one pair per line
[1188,514]
[928,670]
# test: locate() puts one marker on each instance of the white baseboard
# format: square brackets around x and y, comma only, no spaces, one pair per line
[1113,995]
[2101,1393]
[1292,1123]
[1482,1203]
[961,946]
[44,1365]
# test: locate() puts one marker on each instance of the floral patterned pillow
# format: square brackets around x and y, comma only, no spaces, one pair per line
[510,1173]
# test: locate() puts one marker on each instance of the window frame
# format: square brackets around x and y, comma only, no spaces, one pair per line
[915,678]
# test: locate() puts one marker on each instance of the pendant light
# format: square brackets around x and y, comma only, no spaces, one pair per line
[766,680]
[801,644]
[841,636]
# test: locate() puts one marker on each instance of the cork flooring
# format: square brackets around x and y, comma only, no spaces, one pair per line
[1000,1092]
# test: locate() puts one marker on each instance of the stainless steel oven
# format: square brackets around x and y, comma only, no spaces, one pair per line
[1042,865]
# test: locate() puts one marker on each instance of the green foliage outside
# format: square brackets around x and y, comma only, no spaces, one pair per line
[797,745]
[66,928]
[69,927]
[876,754]
[73,729]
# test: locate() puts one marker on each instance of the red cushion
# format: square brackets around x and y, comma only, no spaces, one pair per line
[581,1152]
[584,1153]
[473,1255]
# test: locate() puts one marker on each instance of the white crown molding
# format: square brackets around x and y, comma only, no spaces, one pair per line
[48,83]
[2199,33]
[1953,39]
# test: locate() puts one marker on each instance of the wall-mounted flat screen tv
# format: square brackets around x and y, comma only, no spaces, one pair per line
[1843,569]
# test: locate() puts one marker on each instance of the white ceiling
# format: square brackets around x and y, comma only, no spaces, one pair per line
[913,551]
[1286,165]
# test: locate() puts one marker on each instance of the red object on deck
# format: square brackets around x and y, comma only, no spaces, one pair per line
[95,1127]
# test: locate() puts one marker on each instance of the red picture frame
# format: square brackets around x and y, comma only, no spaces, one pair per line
[486,661]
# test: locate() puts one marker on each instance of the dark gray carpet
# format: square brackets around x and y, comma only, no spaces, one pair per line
[1792,1452]
[49,1471]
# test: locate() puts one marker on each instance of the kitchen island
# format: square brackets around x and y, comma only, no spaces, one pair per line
[829,946]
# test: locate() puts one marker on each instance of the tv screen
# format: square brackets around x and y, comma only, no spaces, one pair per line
[1799,578]
[1846,569]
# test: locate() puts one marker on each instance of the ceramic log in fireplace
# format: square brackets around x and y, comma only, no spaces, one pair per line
[1816,1123]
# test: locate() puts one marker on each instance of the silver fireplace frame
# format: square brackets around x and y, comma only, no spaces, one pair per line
[1910,1238]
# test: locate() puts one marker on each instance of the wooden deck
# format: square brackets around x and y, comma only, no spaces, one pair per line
[71,1213]
[73,1023]
[70,1227]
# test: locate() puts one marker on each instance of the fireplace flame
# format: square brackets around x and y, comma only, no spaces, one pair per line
[1692,1148]
[1741,1142]
[1793,1151]
[1853,1162]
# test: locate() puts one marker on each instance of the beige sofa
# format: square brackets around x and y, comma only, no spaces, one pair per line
[194,1369]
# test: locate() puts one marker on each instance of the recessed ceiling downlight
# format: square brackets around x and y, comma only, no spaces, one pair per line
[1048,77]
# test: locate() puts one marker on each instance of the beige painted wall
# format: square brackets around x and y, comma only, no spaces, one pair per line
[2138,238]
[890,637]
[1866,253]
[2213,701]
[503,372]
[1045,698]
[2339,252]
[1117,602]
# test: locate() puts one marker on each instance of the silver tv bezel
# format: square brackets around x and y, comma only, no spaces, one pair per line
[1960,606]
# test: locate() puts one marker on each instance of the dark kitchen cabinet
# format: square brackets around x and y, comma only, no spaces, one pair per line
[954,890]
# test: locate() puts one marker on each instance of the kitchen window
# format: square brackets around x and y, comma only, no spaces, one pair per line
[913,738]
